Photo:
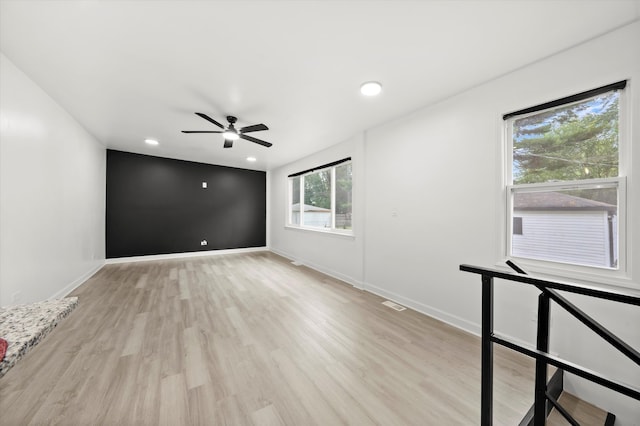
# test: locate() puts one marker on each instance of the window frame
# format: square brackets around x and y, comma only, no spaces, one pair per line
[589,273]
[289,215]
[618,182]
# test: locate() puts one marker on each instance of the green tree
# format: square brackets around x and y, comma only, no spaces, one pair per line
[343,189]
[317,189]
[317,192]
[577,141]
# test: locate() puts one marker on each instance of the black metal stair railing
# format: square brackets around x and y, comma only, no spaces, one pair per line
[541,354]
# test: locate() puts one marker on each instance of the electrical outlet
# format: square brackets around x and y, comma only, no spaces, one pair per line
[203,242]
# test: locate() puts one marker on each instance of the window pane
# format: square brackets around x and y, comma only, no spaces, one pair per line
[517,226]
[295,201]
[570,226]
[571,142]
[343,196]
[317,199]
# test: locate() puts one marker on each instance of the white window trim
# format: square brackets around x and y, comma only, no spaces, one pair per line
[335,233]
[590,275]
[333,230]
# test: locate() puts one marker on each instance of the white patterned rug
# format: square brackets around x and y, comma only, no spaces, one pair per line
[24,326]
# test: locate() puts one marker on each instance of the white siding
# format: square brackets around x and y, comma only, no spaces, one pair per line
[573,237]
[317,219]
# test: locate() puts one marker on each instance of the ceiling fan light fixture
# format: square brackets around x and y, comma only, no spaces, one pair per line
[231,135]
[371,88]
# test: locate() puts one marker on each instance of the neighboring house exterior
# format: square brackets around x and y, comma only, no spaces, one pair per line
[313,215]
[565,228]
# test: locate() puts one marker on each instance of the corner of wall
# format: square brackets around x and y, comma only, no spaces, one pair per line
[64,292]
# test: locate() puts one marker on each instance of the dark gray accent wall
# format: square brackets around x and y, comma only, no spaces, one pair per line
[158,206]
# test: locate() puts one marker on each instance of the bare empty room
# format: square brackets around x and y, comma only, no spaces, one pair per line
[273,212]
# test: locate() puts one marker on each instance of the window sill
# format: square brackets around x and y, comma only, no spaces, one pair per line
[347,234]
[599,277]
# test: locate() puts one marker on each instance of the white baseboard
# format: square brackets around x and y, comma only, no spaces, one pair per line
[77,282]
[452,320]
[438,314]
[182,255]
[333,274]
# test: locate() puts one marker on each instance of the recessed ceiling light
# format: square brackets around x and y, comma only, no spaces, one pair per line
[151,142]
[371,88]
[252,159]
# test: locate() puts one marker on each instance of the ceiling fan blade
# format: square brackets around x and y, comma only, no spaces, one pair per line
[209,119]
[254,128]
[228,143]
[256,140]
[202,131]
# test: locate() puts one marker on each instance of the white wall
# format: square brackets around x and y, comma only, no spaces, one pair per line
[52,194]
[432,201]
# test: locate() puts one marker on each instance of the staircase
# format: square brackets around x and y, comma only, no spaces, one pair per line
[583,412]
[551,404]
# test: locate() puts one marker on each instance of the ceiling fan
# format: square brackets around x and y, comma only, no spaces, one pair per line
[231,133]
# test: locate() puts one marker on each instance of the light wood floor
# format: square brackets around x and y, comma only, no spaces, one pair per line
[250,339]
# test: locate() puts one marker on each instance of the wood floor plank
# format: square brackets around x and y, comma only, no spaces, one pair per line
[136,336]
[174,409]
[267,416]
[308,394]
[251,339]
[197,373]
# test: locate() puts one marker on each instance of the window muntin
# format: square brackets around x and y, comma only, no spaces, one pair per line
[344,206]
[327,199]
[294,205]
[564,197]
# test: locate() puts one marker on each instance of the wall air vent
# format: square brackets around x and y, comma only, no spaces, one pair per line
[393,305]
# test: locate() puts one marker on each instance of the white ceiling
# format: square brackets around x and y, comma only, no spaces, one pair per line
[129,70]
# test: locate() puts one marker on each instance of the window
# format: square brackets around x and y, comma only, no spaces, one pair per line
[565,189]
[320,198]
[517,225]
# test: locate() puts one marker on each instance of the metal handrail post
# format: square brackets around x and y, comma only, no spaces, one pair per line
[542,344]
[486,413]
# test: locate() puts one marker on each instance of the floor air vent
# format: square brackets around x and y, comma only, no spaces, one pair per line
[393,305]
